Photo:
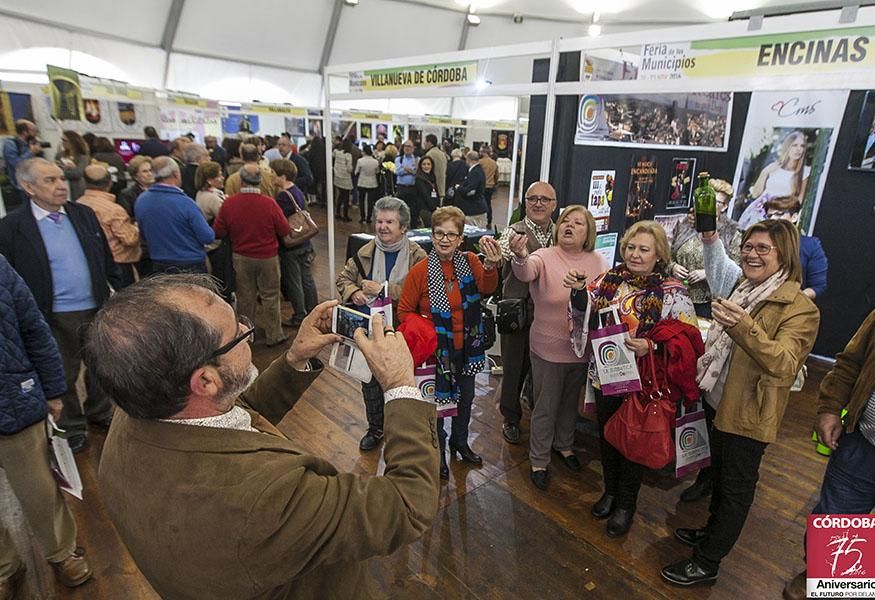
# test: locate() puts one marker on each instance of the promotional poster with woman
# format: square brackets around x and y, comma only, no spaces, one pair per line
[788,141]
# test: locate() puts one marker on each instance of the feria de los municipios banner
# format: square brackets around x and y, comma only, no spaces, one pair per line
[400,78]
[798,53]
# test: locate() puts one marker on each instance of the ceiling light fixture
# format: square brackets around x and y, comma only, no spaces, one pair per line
[482,84]
[517,18]
[594,30]
[473,19]
[351,2]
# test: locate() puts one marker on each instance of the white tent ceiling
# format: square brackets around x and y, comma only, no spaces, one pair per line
[273,50]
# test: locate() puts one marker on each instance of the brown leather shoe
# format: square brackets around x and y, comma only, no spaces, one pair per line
[9,587]
[74,570]
[795,588]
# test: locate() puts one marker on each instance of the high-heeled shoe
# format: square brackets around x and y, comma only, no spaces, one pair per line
[445,470]
[466,454]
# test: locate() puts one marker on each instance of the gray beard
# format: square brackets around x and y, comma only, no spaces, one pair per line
[234,384]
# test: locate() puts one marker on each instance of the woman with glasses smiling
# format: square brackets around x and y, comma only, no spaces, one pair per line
[759,339]
[446,288]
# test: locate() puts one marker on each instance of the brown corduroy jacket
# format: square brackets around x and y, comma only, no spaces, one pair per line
[851,380]
[228,514]
[772,343]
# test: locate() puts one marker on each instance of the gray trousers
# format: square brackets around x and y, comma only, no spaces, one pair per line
[69,330]
[556,387]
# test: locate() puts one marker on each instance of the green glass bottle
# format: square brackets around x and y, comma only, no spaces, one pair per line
[706,204]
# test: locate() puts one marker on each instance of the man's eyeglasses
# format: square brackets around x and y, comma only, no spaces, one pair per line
[445,235]
[779,214]
[760,249]
[248,335]
[540,199]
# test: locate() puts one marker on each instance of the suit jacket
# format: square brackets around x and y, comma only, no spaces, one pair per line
[470,196]
[22,245]
[154,148]
[228,514]
[457,170]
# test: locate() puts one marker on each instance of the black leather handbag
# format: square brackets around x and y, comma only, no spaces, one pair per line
[488,326]
[512,315]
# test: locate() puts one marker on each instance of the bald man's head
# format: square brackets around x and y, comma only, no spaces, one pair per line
[98,177]
[250,174]
[540,203]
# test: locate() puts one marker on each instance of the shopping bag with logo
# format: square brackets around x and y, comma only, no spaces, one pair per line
[618,372]
[691,442]
[424,375]
[382,303]
[641,427]
[586,400]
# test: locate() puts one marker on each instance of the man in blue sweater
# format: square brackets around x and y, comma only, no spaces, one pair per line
[172,224]
[33,376]
[61,252]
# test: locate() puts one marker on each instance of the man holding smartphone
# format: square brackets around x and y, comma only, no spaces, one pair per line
[211,499]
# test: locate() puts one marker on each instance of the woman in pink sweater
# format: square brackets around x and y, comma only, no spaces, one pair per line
[557,372]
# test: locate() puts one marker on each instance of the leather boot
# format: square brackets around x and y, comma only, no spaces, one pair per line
[620,522]
[603,507]
[445,470]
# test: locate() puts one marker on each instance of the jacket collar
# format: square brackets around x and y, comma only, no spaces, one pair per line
[786,293]
[193,438]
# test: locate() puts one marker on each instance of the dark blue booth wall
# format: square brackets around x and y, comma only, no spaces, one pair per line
[845,222]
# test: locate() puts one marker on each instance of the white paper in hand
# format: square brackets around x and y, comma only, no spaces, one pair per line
[62,462]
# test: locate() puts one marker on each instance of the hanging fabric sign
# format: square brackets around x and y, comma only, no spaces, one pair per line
[66,94]
[445,75]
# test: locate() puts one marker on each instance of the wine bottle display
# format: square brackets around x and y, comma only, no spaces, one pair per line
[706,204]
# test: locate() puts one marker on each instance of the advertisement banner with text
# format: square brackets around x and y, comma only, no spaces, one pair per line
[445,75]
[799,53]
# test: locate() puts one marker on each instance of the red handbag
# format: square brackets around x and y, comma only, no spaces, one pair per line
[641,427]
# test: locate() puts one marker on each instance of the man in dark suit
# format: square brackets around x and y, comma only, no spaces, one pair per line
[60,251]
[194,458]
[153,146]
[195,155]
[470,195]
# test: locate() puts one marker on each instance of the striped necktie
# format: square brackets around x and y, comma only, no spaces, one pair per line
[55,217]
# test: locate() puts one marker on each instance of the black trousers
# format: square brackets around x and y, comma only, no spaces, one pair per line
[69,330]
[487,195]
[367,199]
[372,394]
[341,203]
[408,194]
[736,462]
[515,364]
[622,476]
[707,474]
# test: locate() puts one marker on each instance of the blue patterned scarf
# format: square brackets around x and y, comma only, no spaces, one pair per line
[473,352]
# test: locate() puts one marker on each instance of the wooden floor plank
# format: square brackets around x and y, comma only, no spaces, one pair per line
[495,535]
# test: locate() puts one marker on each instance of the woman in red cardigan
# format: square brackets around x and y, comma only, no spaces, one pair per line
[446,288]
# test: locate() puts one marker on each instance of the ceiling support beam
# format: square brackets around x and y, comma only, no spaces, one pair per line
[169,35]
[328,47]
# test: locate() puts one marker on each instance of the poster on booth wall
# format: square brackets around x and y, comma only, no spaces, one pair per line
[240,123]
[601,196]
[691,121]
[126,117]
[176,122]
[606,245]
[680,192]
[640,202]
[502,143]
[788,142]
[66,93]
[7,123]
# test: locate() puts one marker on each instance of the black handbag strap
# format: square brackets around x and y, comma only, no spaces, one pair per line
[359,265]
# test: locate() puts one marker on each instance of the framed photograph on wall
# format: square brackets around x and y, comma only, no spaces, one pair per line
[680,192]
[863,150]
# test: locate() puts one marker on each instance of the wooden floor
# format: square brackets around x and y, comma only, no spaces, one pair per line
[496,536]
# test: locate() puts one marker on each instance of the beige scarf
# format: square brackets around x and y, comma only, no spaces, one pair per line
[718,346]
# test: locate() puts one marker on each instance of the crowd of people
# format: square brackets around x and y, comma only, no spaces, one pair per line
[120,280]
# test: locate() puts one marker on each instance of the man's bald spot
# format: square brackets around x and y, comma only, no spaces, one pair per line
[541,188]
